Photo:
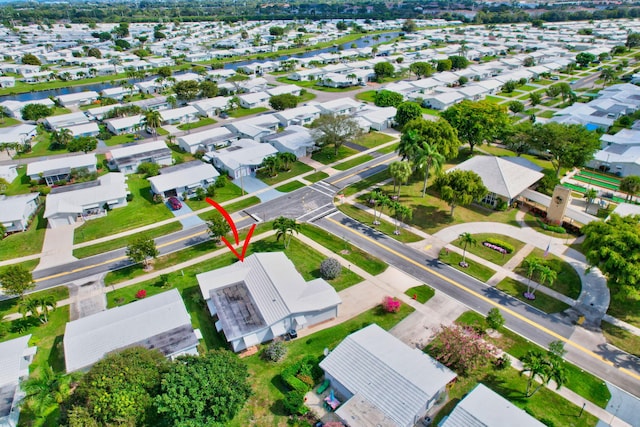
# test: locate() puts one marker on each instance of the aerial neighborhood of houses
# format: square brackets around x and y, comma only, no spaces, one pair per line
[177,142]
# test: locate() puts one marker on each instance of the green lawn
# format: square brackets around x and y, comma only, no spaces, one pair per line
[327,154]
[627,309]
[547,114]
[621,338]
[304,84]
[542,302]
[140,211]
[431,111]
[28,265]
[290,186]
[233,207]
[8,306]
[243,112]
[366,183]
[264,407]
[20,185]
[308,96]
[58,111]
[421,293]
[26,243]
[226,193]
[315,177]
[474,269]
[388,149]
[384,227]
[9,121]
[489,254]
[568,281]
[494,99]
[367,96]
[297,168]
[585,384]
[120,139]
[122,242]
[345,249]
[205,121]
[353,162]
[40,146]
[373,139]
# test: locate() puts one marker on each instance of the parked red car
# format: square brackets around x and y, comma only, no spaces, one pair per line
[174,203]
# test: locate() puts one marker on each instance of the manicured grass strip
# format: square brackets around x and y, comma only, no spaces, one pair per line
[574,187]
[568,281]
[297,168]
[421,293]
[364,184]
[353,162]
[346,250]
[474,269]
[29,265]
[328,155]
[585,384]
[243,112]
[367,96]
[596,182]
[290,186]
[373,139]
[315,177]
[600,176]
[205,121]
[547,114]
[28,242]
[389,149]
[621,338]
[229,192]
[110,245]
[234,207]
[9,306]
[489,254]
[384,227]
[542,302]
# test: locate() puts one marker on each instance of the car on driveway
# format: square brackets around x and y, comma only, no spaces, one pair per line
[174,203]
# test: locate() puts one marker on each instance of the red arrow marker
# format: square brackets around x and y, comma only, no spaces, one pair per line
[232,224]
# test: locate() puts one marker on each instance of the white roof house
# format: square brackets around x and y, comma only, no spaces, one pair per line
[254,127]
[294,139]
[211,106]
[122,125]
[484,407]
[501,175]
[17,211]
[58,169]
[15,358]
[443,100]
[242,158]
[184,178]
[261,298]
[284,89]
[254,99]
[379,118]
[8,172]
[18,134]
[127,159]
[207,140]
[383,381]
[66,120]
[86,200]
[303,115]
[85,129]
[158,322]
[80,98]
[341,106]
[179,115]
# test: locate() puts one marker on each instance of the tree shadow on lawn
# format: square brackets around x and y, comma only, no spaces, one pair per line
[497,384]
[145,193]
[56,356]
[430,216]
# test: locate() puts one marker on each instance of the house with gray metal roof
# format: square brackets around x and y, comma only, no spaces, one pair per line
[59,169]
[504,177]
[242,158]
[381,381]
[261,298]
[184,179]
[484,407]
[295,139]
[127,159]
[16,211]
[15,358]
[158,322]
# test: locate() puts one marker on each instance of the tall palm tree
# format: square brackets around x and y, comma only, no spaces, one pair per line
[532,265]
[384,201]
[373,201]
[46,304]
[547,275]
[28,306]
[400,172]
[466,239]
[285,226]
[287,159]
[428,156]
[607,75]
[534,363]
[152,120]
[271,165]
[590,195]
[46,391]
[402,212]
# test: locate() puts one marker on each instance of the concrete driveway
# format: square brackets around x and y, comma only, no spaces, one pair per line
[187,221]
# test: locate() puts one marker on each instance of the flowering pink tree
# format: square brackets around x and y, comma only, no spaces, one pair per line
[390,304]
[141,294]
[461,348]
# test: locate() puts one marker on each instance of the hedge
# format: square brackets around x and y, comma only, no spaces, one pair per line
[504,245]
[554,228]
[308,366]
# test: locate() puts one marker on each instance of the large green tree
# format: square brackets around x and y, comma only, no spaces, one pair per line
[335,130]
[141,250]
[387,98]
[477,121]
[383,70]
[30,59]
[16,280]
[407,111]
[630,185]
[614,247]
[187,90]
[439,134]
[283,101]
[119,389]
[421,69]
[83,143]
[218,227]
[203,390]
[460,187]
[35,111]
[568,145]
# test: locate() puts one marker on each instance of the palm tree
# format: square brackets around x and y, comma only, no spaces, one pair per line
[284,226]
[384,201]
[373,201]
[532,265]
[607,75]
[287,159]
[428,156]
[152,120]
[400,171]
[409,144]
[466,239]
[547,275]
[46,391]
[401,212]
[171,100]
[545,367]
[271,165]
[28,306]
[590,195]
[115,61]
[45,304]
[171,139]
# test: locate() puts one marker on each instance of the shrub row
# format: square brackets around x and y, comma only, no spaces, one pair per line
[504,245]
[554,228]
[302,375]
